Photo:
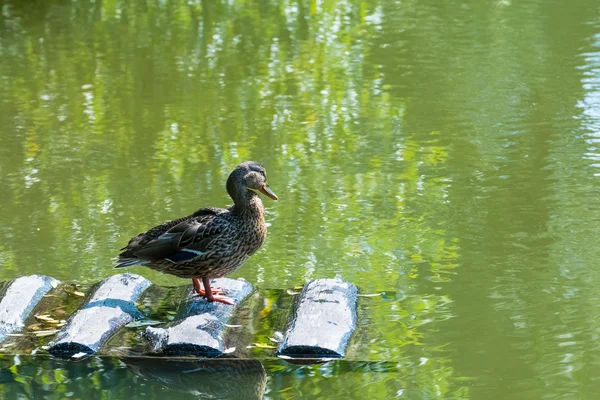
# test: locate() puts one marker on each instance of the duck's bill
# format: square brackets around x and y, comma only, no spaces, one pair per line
[266,190]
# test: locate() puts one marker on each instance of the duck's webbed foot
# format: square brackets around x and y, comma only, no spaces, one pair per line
[211,294]
[220,299]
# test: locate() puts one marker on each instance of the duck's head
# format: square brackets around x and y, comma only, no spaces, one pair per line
[249,176]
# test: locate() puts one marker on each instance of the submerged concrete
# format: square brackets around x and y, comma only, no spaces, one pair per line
[208,378]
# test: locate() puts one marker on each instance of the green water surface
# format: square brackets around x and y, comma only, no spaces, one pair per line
[446,153]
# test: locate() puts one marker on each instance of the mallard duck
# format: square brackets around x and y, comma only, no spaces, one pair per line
[212,242]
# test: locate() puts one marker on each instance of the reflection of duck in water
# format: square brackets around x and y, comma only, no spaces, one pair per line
[212,242]
[207,379]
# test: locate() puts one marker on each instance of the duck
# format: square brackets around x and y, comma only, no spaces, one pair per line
[212,242]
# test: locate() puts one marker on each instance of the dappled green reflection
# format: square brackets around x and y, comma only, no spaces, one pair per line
[138,114]
[40,377]
[443,153]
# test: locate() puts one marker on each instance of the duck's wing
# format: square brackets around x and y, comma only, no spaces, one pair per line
[178,240]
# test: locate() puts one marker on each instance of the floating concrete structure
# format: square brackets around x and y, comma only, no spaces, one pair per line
[113,318]
[324,319]
[19,299]
[200,329]
[111,307]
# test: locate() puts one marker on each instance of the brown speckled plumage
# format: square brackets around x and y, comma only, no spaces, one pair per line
[212,242]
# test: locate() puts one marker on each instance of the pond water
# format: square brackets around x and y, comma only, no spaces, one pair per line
[445,153]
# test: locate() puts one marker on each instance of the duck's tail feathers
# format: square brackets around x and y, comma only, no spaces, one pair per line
[124,262]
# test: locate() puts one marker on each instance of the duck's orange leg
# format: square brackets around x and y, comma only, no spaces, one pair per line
[197,287]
